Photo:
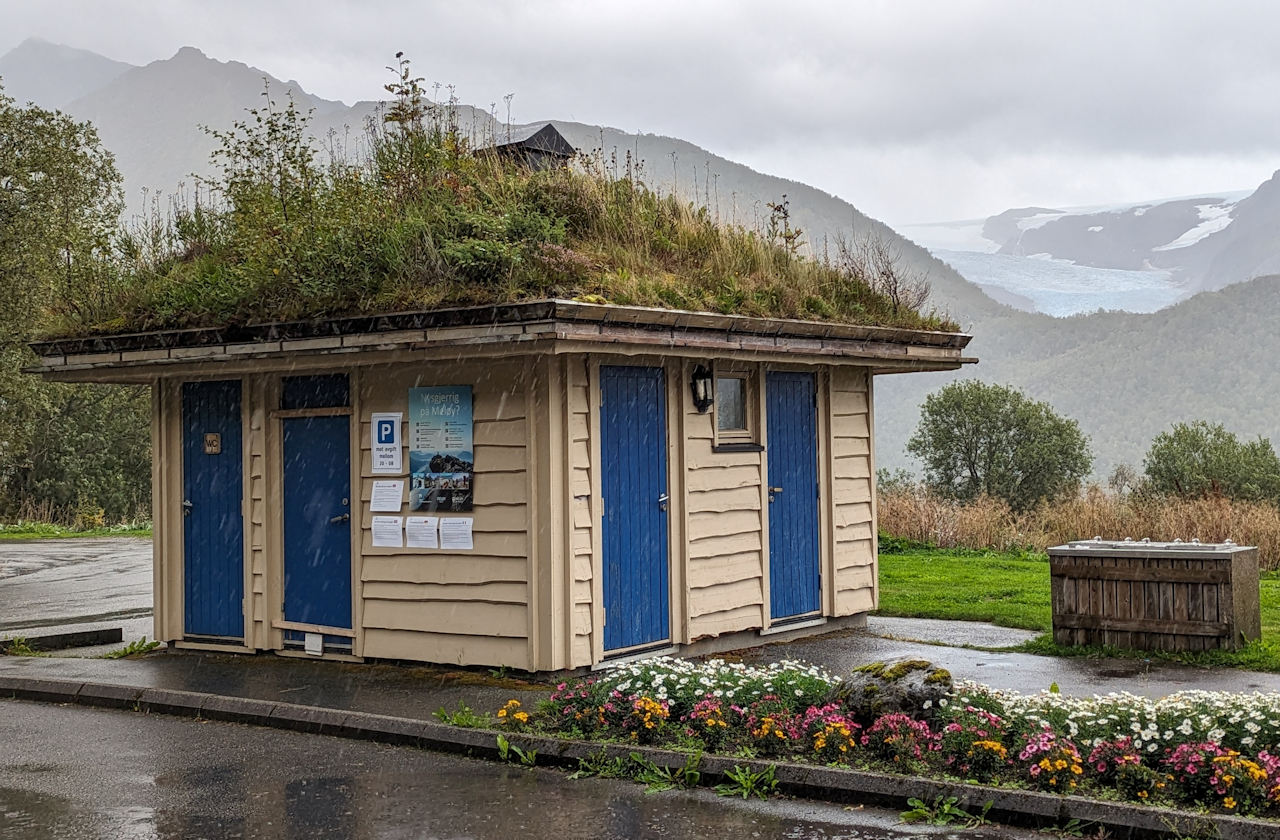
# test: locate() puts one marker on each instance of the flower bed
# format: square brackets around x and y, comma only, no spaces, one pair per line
[1208,750]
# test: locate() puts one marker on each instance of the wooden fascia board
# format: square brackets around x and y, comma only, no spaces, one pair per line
[626,335]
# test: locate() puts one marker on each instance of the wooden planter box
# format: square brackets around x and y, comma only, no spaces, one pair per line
[1155,596]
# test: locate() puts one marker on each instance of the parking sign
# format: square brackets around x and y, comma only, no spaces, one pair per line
[385,445]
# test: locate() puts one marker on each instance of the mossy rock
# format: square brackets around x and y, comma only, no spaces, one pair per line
[909,686]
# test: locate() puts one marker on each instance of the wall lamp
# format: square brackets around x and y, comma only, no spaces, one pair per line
[702,385]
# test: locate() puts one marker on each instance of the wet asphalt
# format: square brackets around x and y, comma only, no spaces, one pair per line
[76,584]
[88,774]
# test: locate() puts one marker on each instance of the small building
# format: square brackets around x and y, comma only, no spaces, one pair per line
[543,485]
[535,146]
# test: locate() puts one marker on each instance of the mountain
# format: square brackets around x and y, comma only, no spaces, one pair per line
[52,75]
[152,117]
[1125,376]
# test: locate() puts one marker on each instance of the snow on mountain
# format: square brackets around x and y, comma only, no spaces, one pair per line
[1216,218]
[1137,257]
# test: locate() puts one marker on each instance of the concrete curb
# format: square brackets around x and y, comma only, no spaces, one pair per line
[1014,807]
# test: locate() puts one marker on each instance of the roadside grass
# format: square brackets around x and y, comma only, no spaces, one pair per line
[46,530]
[1012,590]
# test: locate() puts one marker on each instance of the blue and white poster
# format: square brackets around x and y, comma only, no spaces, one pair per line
[441,461]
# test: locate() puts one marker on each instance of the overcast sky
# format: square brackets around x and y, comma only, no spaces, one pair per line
[913,111]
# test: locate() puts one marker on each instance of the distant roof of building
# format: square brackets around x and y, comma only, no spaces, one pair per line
[539,137]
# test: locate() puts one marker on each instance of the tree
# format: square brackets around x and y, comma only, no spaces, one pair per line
[977,439]
[1200,459]
[61,446]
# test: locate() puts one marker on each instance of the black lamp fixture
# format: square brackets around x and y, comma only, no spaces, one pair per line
[702,385]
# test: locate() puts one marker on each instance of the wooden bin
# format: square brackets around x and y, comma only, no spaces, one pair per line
[1155,596]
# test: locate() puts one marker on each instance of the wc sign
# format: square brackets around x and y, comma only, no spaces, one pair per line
[384,443]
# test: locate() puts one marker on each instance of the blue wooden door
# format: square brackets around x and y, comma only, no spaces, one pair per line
[633,448]
[213,527]
[792,416]
[317,522]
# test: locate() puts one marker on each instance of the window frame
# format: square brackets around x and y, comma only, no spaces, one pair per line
[747,438]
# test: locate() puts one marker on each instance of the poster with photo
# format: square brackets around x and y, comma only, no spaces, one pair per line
[441,462]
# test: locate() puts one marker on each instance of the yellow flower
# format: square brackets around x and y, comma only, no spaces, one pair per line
[1228,803]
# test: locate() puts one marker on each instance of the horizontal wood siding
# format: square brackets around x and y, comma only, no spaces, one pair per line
[578,440]
[256,521]
[853,526]
[725,571]
[466,607]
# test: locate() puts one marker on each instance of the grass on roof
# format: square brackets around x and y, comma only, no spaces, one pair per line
[419,221]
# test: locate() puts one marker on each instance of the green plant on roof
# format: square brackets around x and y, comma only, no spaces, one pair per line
[415,218]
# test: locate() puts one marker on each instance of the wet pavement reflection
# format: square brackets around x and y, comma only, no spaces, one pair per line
[84,773]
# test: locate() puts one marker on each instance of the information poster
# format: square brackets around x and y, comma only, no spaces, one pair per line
[388,531]
[455,533]
[386,497]
[441,461]
[420,532]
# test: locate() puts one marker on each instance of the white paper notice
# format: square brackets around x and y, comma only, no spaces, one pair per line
[386,496]
[420,532]
[455,532]
[388,531]
[384,443]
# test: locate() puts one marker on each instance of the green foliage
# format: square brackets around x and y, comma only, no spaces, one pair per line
[63,448]
[976,439]
[26,530]
[508,751]
[602,765]
[944,811]
[1200,459]
[19,646]
[746,783]
[657,779]
[135,647]
[421,220]
[462,716]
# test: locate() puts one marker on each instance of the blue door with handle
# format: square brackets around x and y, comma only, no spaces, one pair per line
[791,412]
[212,524]
[317,522]
[633,448]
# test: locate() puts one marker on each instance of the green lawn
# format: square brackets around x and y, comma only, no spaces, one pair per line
[1012,590]
[44,530]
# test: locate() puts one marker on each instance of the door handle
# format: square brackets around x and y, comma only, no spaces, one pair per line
[662,501]
[186,507]
[773,491]
[343,517]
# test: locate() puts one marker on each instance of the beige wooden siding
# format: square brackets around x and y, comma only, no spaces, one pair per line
[578,439]
[854,515]
[463,607]
[725,572]
[255,521]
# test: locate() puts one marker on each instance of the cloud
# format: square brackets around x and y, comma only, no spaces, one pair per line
[915,106]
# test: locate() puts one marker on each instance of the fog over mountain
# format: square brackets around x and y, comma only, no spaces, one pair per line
[1125,376]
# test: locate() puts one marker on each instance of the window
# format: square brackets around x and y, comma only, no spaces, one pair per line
[731,404]
[735,409]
